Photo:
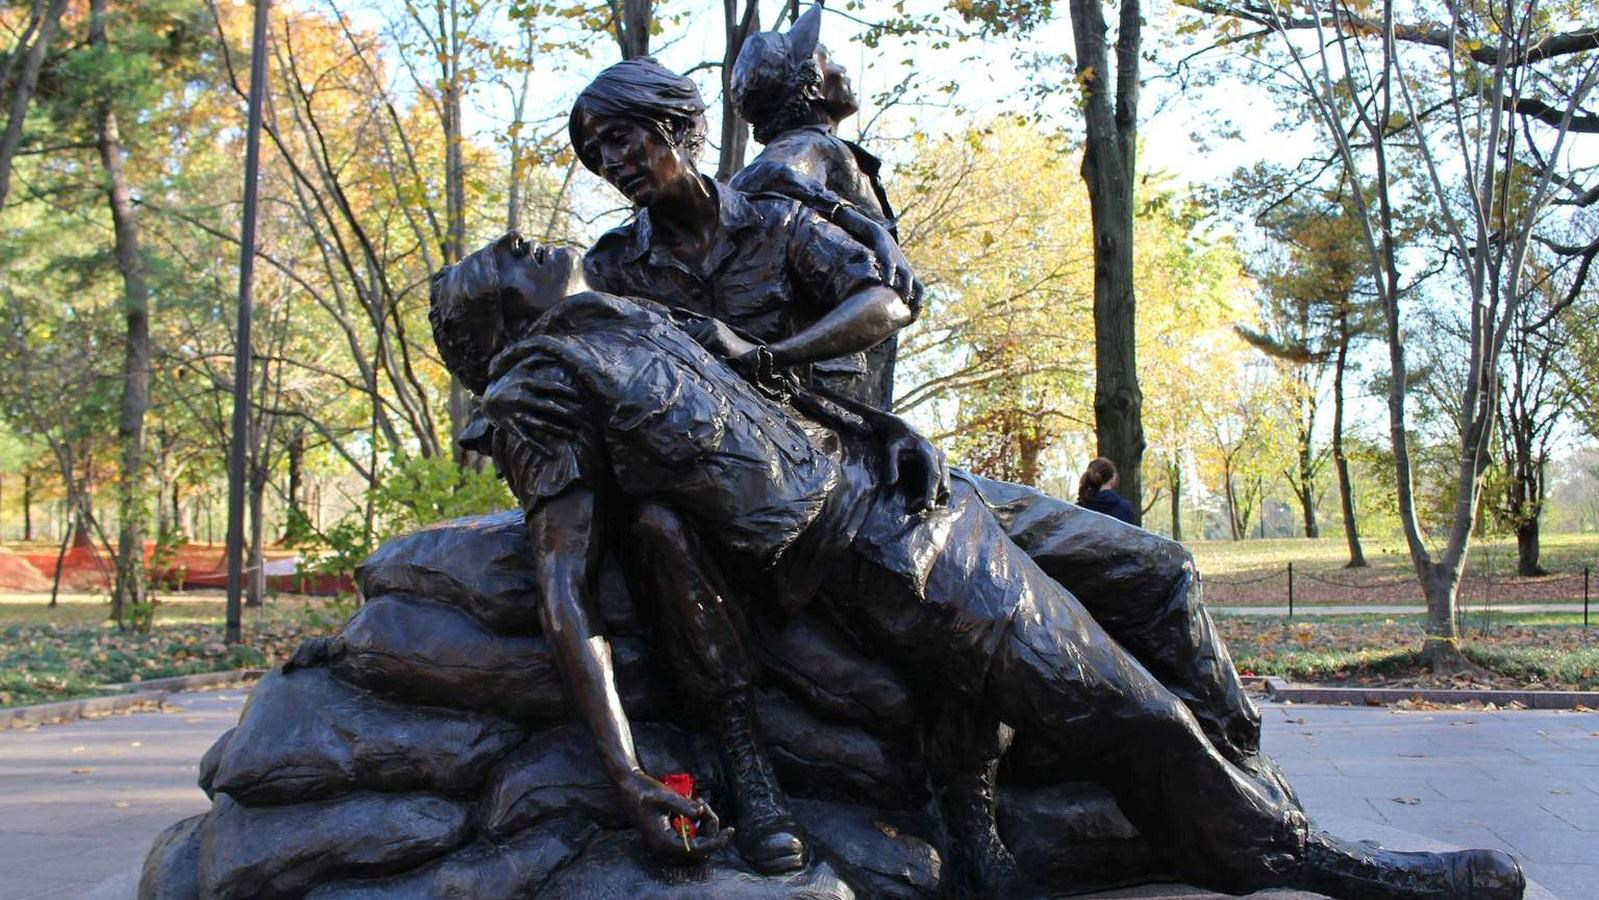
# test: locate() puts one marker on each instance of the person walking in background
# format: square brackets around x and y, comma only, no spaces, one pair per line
[1097,491]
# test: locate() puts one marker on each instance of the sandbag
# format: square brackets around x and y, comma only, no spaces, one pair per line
[418,651]
[480,871]
[557,773]
[1073,837]
[615,866]
[171,869]
[482,565]
[271,852]
[824,761]
[889,854]
[479,563]
[834,680]
[210,761]
[306,735]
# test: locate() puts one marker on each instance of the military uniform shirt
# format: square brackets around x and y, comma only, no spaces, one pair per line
[604,393]
[776,268]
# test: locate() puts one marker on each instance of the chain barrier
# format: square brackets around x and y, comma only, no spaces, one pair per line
[1405,582]
[1385,585]
[1213,581]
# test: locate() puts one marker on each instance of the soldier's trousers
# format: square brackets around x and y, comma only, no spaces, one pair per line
[987,626]
[1144,591]
[1139,587]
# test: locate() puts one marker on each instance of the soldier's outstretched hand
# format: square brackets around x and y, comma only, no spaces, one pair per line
[652,806]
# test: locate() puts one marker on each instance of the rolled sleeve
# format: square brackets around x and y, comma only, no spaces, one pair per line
[827,262]
[557,445]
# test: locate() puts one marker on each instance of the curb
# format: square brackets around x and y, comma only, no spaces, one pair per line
[134,695]
[185,682]
[72,710]
[1281,691]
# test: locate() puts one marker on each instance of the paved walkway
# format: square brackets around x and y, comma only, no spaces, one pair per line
[1301,609]
[80,803]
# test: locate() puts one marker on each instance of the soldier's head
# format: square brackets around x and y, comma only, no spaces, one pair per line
[641,127]
[478,304]
[783,80]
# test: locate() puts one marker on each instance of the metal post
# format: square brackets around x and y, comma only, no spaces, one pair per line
[1584,597]
[241,357]
[1290,590]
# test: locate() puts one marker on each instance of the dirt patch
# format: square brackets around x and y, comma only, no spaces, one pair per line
[1269,587]
[19,575]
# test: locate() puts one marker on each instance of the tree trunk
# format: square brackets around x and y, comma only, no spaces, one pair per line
[735,131]
[454,248]
[255,581]
[1027,453]
[1306,489]
[1527,548]
[630,24]
[1346,493]
[296,454]
[1235,529]
[1307,506]
[1441,648]
[1109,148]
[78,526]
[130,581]
[165,522]
[1174,480]
[61,558]
[513,193]
[22,92]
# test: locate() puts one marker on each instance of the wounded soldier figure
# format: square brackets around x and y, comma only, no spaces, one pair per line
[600,406]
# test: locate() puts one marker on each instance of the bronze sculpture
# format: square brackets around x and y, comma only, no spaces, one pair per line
[599,396]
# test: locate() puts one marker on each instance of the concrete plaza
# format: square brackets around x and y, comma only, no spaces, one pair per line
[80,803]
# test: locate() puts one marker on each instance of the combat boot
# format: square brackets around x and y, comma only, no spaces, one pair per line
[1351,871]
[768,836]
[980,865]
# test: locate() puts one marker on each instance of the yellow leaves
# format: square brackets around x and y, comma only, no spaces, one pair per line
[1085,77]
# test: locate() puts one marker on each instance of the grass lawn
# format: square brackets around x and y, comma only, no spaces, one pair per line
[1532,651]
[1254,572]
[71,650]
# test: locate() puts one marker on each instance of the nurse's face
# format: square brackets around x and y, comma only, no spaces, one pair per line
[635,158]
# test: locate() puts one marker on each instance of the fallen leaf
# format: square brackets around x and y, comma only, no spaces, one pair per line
[83,771]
